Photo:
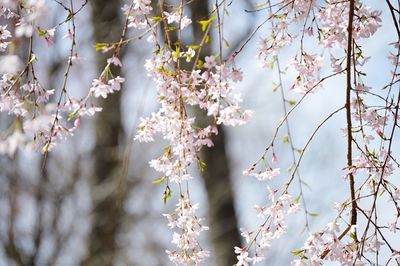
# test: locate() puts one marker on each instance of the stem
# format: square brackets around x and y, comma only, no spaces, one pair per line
[353,218]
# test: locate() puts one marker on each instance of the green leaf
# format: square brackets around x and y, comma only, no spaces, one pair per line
[34,58]
[204,23]
[101,46]
[194,47]
[70,15]
[41,32]
[313,214]
[228,45]
[171,28]
[281,16]
[200,64]
[201,165]
[156,52]
[297,252]
[285,139]
[275,86]
[373,153]
[156,19]
[72,115]
[296,200]
[46,147]
[167,195]
[167,150]
[291,102]
[352,236]
[175,54]
[158,181]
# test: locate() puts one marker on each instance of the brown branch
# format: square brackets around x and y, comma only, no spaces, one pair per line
[395,20]
[306,145]
[353,218]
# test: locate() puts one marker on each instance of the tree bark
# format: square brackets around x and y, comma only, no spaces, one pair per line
[223,222]
[106,215]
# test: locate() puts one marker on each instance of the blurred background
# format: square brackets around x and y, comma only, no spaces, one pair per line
[95,203]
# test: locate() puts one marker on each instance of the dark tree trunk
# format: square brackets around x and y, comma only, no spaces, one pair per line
[106,215]
[223,222]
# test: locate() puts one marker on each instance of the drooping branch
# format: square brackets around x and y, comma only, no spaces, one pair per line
[353,218]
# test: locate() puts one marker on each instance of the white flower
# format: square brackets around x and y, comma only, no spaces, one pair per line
[246,234]
[4,33]
[99,88]
[177,17]
[267,174]
[115,84]
[243,256]
[190,54]
[115,61]
[209,62]
[185,21]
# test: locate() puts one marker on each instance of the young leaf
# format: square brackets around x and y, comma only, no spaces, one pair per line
[200,64]
[296,200]
[156,19]
[286,139]
[167,195]
[158,181]
[201,165]
[72,115]
[275,86]
[297,252]
[228,45]
[41,32]
[100,46]
[194,47]
[204,23]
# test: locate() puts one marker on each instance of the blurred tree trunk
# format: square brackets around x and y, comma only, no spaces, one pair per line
[223,222]
[106,215]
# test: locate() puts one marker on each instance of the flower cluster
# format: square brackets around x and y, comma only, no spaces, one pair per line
[99,88]
[274,227]
[4,35]
[136,13]
[211,90]
[184,218]
[307,69]
[32,13]
[333,21]
[263,175]
[40,123]
[367,124]
[43,116]
[179,18]
[330,24]
[327,245]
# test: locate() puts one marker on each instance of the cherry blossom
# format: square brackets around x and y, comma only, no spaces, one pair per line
[316,31]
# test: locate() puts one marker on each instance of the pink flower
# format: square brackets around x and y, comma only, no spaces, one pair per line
[48,37]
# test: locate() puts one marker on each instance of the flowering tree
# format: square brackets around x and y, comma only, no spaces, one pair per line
[319,31]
